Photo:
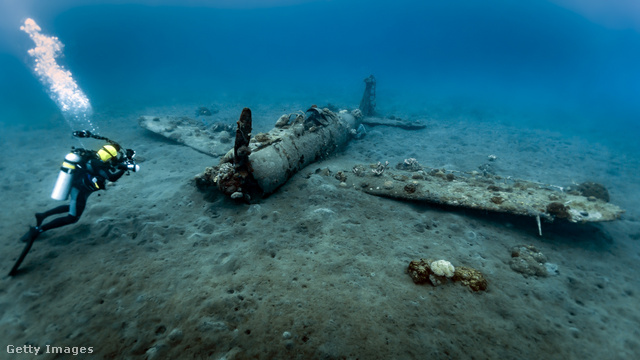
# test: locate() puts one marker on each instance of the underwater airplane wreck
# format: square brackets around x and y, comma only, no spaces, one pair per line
[258,165]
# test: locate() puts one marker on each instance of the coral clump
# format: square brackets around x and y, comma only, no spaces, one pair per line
[429,271]
[261,137]
[410,188]
[470,277]
[419,271]
[527,260]
[441,271]
[443,268]
[596,190]
[410,164]
[497,200]
[558,210]
[340,176]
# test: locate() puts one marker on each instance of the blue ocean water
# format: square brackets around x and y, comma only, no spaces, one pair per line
[560,67]
[157,269]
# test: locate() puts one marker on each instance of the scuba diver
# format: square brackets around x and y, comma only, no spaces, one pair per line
[82,173]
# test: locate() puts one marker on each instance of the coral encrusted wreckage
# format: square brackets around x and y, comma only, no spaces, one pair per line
[412,182]
[439,272]
[259,165]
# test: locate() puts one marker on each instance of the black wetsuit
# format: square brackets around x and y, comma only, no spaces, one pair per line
[91,175]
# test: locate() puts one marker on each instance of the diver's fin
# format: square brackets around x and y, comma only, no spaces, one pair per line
[29,238]
[30,235]
[27,247]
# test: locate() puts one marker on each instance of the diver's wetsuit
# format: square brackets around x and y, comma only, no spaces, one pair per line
[91,176]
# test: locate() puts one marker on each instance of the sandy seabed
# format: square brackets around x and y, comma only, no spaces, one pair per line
[156,269]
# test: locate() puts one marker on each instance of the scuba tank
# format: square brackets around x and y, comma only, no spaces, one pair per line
[69,165]
[63,184]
